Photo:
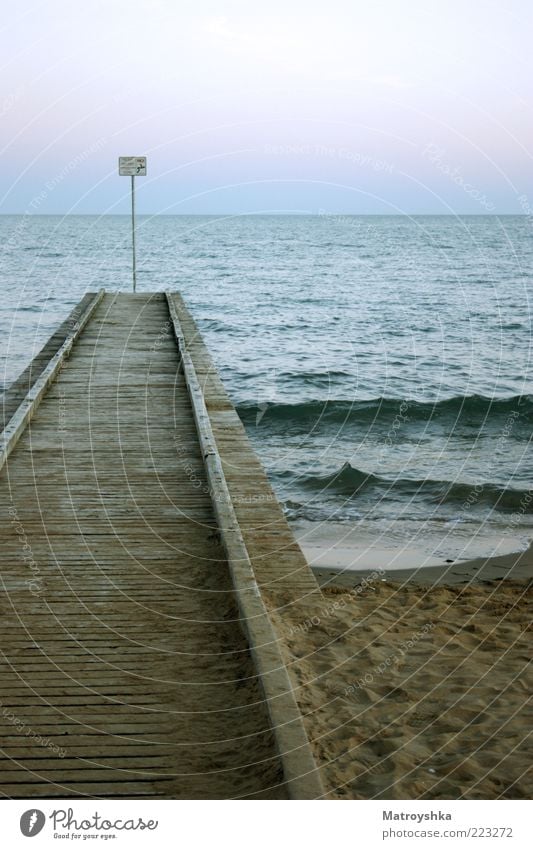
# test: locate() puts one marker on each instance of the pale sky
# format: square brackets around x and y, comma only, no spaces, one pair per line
[354,107]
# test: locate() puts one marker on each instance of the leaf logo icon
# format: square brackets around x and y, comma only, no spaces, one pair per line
[32,822]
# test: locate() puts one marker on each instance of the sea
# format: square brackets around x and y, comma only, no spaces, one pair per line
[380,364]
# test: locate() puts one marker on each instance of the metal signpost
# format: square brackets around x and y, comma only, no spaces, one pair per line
[132,166]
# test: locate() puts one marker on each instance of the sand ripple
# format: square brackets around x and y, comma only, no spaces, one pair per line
[416,692]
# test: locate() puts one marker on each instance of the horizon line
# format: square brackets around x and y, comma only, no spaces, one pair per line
[272,214]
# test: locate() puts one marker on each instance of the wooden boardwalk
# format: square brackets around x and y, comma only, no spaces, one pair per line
[278,562]
[137,657]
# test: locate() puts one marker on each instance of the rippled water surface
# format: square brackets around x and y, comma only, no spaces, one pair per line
[382,365]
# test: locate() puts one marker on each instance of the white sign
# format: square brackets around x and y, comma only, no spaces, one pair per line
[132,166]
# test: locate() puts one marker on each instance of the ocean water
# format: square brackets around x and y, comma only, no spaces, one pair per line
[381,365]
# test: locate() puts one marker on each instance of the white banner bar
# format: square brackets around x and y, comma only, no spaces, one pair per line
[255,825]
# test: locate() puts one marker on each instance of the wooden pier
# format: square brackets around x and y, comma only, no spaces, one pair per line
[142,550]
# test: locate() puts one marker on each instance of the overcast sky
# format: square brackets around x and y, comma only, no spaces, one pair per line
[379,107]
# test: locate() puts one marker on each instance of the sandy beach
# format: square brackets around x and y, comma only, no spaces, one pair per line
[417,686]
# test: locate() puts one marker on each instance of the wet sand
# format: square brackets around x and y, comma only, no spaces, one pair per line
[517,565]
[417,686]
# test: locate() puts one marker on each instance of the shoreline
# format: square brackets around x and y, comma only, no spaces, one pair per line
[412,680]
[516,565]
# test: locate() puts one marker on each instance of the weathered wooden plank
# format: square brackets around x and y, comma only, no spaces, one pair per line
[127,644]
[99,493]
[246,477]
[299,767]
[20,387]
[27,407]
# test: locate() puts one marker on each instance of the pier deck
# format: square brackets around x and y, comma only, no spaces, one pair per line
[137,657]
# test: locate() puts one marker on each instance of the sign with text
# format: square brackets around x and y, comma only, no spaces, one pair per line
[132,166]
